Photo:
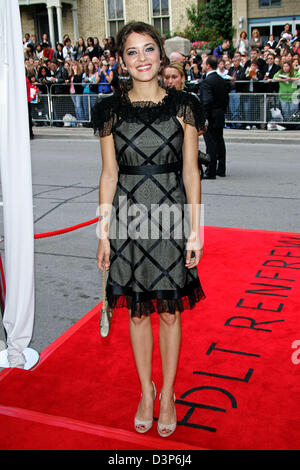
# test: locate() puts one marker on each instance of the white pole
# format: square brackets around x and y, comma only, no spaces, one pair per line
[75,22]
[59,22]
[51,26]
[17,187]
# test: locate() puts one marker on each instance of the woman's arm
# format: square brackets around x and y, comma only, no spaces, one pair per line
[192,184]
[280,79]
[110,76]
[109,175]
[107,188]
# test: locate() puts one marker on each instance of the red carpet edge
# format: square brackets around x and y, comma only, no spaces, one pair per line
[101,431]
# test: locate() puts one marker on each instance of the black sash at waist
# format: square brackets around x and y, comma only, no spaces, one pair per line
[150,169]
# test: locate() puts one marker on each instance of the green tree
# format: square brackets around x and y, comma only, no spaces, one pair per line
[219,14]
[199,28]
[211,21]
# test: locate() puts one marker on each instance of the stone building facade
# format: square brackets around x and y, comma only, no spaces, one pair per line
[100,18]
[268,16]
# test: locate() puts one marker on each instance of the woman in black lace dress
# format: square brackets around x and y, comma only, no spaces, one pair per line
[148,139]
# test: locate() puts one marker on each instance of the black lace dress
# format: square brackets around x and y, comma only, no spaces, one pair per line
[147,258]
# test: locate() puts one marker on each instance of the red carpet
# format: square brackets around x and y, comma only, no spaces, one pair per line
[238,378]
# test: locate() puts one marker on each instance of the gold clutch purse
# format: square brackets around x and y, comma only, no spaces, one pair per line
[106,311]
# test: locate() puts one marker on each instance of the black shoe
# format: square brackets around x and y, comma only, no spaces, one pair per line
[220,170]
[208,177]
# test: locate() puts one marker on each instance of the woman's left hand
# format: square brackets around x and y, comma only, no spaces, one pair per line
[193,246]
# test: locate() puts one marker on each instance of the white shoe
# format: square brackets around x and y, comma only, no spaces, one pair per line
[280,128]
[254,127]
[146,424]
[248,128]
[170,428]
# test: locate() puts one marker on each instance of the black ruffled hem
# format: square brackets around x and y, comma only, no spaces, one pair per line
[155,301]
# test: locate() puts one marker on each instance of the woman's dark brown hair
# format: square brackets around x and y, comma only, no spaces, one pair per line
[141,28]
[291,72]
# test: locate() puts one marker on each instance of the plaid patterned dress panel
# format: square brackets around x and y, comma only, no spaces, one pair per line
[150,265]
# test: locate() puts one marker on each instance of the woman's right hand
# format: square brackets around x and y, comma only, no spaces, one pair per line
[103,254]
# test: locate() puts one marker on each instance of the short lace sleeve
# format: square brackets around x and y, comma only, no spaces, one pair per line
[104,115]
[191,110]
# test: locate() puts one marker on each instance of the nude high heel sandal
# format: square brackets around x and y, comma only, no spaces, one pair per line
[146,424]
[170,428]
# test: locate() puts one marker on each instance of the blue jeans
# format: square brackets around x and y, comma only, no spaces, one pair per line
[234,107]
[89,100]
[253,108]
[288,108]
[78,105]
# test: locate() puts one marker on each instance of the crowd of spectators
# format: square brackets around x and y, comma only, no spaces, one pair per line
[87,68]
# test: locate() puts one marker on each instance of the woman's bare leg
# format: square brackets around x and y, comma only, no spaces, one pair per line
[169,341]
[141,336]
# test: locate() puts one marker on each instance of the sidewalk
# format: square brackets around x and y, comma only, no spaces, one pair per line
[230,135]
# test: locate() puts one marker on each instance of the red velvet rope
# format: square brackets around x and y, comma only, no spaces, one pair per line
[44,235]
[65,230]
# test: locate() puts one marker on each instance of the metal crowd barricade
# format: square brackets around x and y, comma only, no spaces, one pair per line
[262,108]
[41,108]
[59,106]
[246,108]
[71,109]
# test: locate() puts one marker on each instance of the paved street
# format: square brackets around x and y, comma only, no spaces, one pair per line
[261,191]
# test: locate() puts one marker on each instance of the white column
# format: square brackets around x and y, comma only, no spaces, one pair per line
[75,22]
[51,26]
[59,22]
[17,188]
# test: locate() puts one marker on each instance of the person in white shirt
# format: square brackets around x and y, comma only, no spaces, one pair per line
[26,41]
[221,70]
[286,33]
[68,50]
[242,44]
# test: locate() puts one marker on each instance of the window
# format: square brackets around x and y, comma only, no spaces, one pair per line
[269,3]
[115,16]
[160,15]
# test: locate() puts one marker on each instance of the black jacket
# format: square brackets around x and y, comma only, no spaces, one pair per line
[272,87]
[272,44]
[214,96]
[59,56]
[61,75]
[255,86]
[274,69]
[240,76]
[78,84]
